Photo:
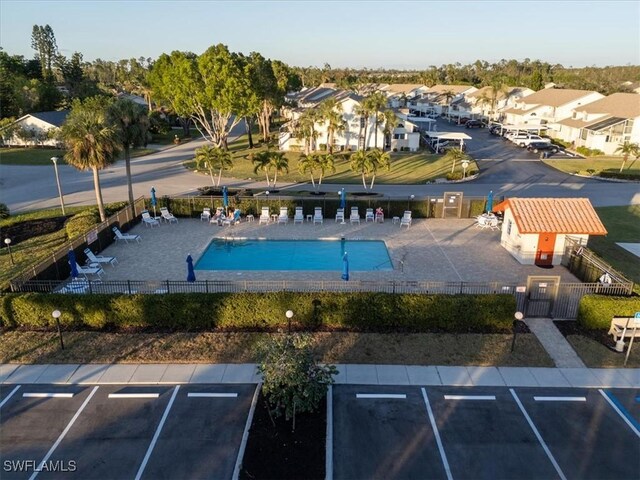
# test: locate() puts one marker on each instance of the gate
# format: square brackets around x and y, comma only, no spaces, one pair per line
[541,295]
[452,207]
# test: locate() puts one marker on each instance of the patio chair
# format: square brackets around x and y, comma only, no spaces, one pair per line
[379,215]
[340,215]
[206,214]
[218,216]
[406,219]
[284,215]
[355,215]
[93,258]
[148,220]
[167,216]
[236,216]
[264,216]
[317,215]
[125,236]
[368,216]
[84,271]
[298,217]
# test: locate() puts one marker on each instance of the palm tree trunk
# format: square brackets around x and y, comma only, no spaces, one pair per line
[127,165]
[364,182]
[96,186]
[219,177]
[275,179]
[624,161]
[375,141]
[213,181]
[373,179]
[247,124]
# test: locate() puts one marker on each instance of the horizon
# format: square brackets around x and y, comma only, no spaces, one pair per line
[485,31]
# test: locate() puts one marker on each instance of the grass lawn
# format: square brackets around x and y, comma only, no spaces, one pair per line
[406,168]
[207,347]
[167,138]
[30,156]
[623,225]
[598,164]
[595,355]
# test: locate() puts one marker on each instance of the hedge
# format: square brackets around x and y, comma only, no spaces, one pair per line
[262,311]
[596,311]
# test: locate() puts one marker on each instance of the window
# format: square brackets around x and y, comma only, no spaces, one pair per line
[398,136]
[361,122]
[509,225]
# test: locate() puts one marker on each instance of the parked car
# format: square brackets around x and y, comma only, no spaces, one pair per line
[444,147]
[523,142]
[474,124]
[536,147]
[464,120]
[495,129]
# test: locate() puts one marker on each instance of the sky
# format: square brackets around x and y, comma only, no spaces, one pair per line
[372,34]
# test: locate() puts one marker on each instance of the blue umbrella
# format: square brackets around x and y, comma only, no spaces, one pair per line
[490,202]
[73,264]
[343,199]
[345,267]
[191,275]
[225,197]
[154,200]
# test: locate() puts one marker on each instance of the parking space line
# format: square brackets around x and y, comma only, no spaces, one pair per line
[212,395]
[436,433]
[538,436]
[469,397]
[157,434]
[620,410]
[6,399]
[134,395]
[47,395]
[328,468]
[399,396]
[245,434]
[560,399]
[64,433]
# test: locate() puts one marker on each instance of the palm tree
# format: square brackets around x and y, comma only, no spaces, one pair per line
[485,100]
[359,163]
[368,163]
[377,103]
[455,155]
[330,113]
[363,111]
[204,159]
[378,160]
[132,127]
[305,128]
[308,164]
[213,158]
[448,95]
[390,123]
[326,164]
[627,149]
[261,163]
[279,162]
[91,142]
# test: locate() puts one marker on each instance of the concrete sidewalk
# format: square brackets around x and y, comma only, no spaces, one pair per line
[558,348]
[153,374]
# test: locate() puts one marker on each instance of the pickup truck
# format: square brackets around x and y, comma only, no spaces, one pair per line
[524,142]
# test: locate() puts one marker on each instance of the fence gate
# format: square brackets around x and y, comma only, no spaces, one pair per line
[541,295]
[452,207]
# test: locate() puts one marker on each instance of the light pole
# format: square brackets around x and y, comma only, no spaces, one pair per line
[289,316]
[411,197]
[268,204]
[518,318]
[56,314]
[465,165]
[7,242]
[55,167]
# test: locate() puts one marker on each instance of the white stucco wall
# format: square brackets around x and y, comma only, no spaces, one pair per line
[40,128]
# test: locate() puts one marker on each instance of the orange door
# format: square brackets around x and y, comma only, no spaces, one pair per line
[544,251]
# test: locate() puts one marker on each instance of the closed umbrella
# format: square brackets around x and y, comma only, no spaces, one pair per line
[154,200]
[343,199]
[73,264]
[490,202]
[225,198]
[191,274]
[345,267]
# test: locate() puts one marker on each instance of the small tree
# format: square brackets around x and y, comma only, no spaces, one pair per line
[627,149]
[292,381]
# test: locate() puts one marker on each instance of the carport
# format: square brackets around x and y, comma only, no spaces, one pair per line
[521,127]
[453,136]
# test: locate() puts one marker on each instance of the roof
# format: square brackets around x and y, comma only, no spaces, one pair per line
[55,118]
[554,215]
[555,97]
[402,87]
[453,88]
[576,123]
[623,105]
[449,135]
[601,124]
[512,91]
[521,111]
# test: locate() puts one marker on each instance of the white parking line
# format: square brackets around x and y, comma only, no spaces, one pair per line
[560,399]
[212,395]
[469,397]
[64,433]
[245,434]
[400,396]
[157,434]
[6,399]
[134,395]
[436,433]
[47,395]
[538,436]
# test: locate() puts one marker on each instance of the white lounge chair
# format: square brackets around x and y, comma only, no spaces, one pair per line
[76,285]
[218,217]
[406,219]
[298,217]
[355,215]
[368,217]
[284,215]
[167,216]
[125,236]
[148,220]
[93,258]
[264,216]
[340,215]
[317,215]
[84,271]
[206,214]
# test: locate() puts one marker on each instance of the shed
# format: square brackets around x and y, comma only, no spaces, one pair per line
[38,128]
[535,230]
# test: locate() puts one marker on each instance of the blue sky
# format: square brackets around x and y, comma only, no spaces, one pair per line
[390,34]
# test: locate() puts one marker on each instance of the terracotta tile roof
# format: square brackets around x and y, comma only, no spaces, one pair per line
[554,215]
[623,105]
[555,97]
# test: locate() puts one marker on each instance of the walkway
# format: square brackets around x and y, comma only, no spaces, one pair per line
[554,343]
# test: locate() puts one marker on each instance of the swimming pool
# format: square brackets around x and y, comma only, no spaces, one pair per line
[364,255]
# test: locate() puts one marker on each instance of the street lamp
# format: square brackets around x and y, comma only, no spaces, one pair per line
[518,317]
[289,316]
[55,167]
[465,165]
[7,242]
[56,314]
[411,197]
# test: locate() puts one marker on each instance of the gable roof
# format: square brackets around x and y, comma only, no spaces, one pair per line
[624,105]
[555,97]
[453,88]
[55,118]
[402,87]
[554,215]
[511,91]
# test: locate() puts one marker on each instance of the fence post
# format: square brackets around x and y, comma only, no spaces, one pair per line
[206,286]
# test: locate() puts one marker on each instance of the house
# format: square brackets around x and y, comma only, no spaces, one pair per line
[534,230]
[137,99]
[398,93]
[36,129]
[603,124]
[484,104]
[443,100]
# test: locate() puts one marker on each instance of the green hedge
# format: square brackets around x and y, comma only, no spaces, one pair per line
[251,311]
[618,174]
[596,311]
[82,222]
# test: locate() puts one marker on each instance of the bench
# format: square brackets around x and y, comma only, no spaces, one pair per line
[624,327]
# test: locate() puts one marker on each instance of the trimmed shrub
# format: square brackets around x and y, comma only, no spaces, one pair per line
[82,222]
[617,174]
[4,211]
[596,311]
[454,176]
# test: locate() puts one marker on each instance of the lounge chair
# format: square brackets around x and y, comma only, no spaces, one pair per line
[125,236]
[340,215]
[167,216]
[93,258]
[218,217]
[236,216]
[84,271]
[264,216]
[206,214]
[284,215]
[406,219]
[379,215]
[317,215]
[228,221]
[148,220]
[355,215]
[368,217]
[298,217]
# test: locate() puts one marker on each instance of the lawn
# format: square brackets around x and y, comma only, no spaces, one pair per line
[42,156]
[168,137]
[597,164]
[596,355]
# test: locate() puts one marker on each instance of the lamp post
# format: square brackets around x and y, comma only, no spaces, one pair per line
[465,165]
[518,317]
[289,316]
[7,242]
[55,167]
[56,314]
[268,204]
[411,197]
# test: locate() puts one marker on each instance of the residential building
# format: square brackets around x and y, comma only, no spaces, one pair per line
[399,93]
[442,100]
[36,129]
[480,101]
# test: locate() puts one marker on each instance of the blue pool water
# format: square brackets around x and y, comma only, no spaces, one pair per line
[364,255]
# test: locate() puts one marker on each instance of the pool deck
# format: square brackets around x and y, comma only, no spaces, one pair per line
[430,250]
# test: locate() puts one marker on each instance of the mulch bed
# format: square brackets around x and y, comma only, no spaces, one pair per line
[278,453]
[571,327]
